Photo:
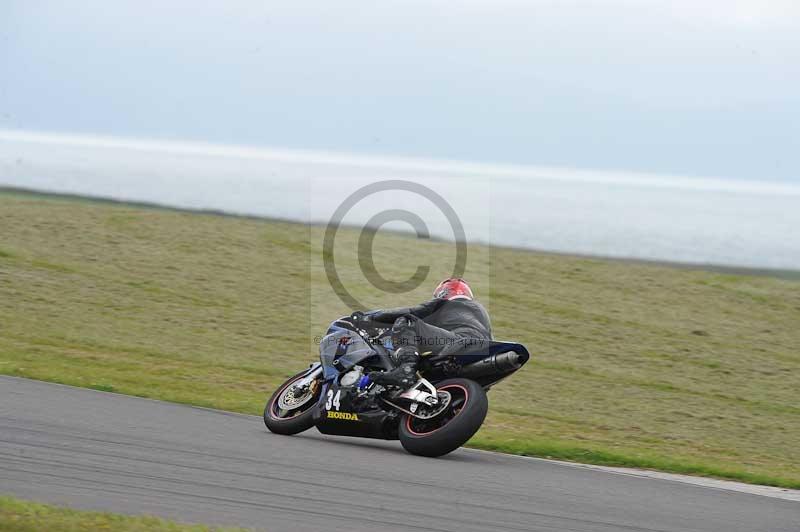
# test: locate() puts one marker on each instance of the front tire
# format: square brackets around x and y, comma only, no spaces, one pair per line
[450,429]
[290,421]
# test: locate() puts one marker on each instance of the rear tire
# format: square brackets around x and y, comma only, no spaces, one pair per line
[452,428]
[291,421]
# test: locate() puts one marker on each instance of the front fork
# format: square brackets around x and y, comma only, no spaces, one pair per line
[313,373]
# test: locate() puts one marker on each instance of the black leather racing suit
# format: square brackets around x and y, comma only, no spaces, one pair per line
[438,327]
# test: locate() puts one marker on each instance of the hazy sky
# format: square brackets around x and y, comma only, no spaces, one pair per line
[681,87]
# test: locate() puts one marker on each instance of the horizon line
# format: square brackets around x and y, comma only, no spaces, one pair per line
[445,166]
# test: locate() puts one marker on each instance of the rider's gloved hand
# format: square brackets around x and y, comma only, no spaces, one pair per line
[362,318]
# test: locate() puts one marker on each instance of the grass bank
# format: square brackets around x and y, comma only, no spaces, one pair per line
[23,516]
[633,364]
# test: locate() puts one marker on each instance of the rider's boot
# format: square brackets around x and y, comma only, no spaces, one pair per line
[404,375]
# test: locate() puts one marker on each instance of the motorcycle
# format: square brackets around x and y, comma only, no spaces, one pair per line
[437,415]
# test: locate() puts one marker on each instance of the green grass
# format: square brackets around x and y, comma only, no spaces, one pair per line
[568,452]
[22,516]
[633,364]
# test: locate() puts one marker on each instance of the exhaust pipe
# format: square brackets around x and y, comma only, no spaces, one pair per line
[493,365]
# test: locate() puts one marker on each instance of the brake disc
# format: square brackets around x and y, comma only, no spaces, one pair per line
[289,401]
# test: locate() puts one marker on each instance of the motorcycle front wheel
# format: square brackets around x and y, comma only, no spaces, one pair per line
[451,428]
[289,411]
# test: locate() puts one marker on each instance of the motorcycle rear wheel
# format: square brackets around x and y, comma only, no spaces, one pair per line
[450,429]
[290,421]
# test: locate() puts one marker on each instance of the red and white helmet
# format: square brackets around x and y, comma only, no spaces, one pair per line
[453,289]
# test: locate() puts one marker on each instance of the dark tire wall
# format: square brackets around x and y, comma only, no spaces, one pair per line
[457,431]
[293,425]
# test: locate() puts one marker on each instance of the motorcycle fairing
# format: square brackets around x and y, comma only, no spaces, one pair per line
[341,349]
[349,420]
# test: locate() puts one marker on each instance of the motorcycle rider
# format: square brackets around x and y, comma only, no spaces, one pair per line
[447,323]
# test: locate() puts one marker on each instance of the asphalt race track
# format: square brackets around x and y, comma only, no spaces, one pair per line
[96,450]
